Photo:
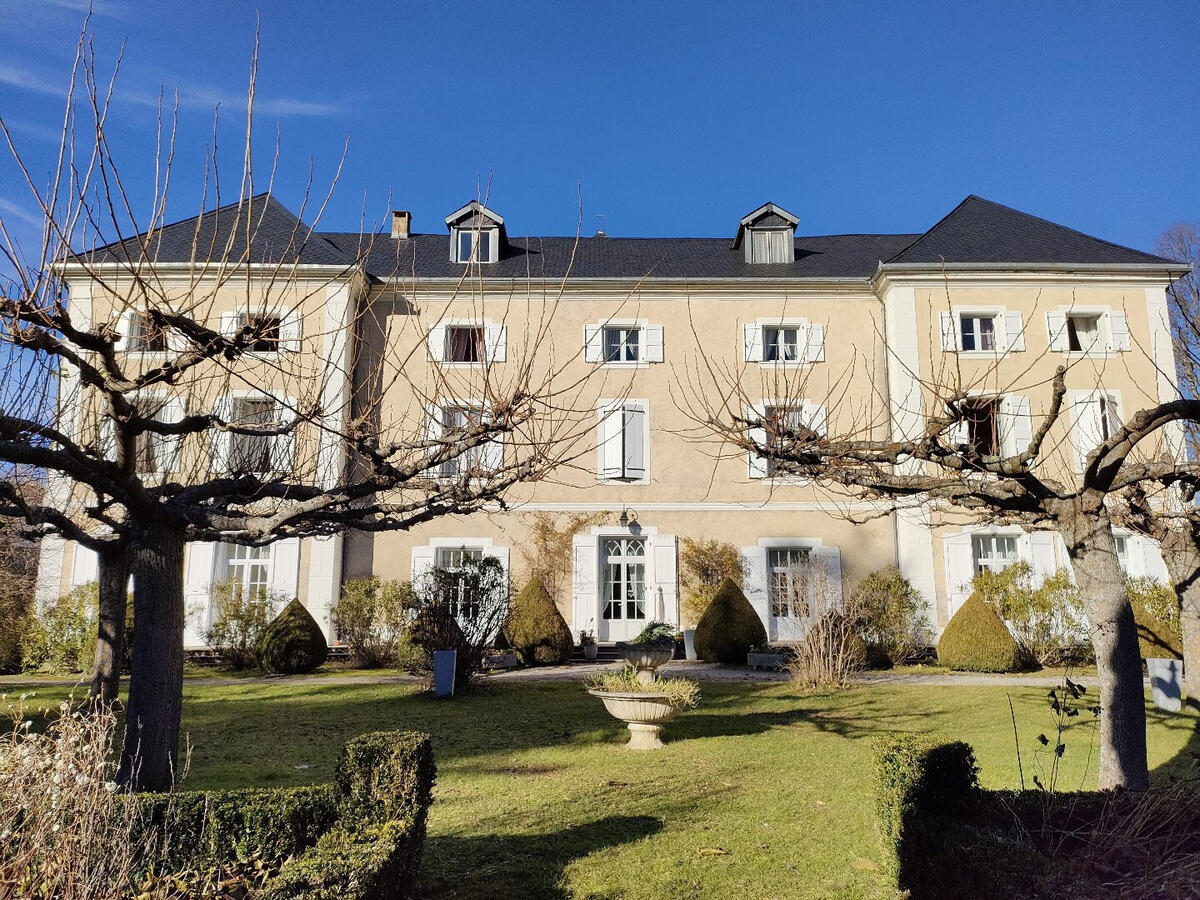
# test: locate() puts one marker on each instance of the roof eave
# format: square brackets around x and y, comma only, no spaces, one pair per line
[1164,271]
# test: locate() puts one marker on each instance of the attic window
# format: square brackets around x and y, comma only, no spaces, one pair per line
[771,245]
[474,246]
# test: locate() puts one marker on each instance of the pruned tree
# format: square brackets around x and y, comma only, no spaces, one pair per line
[240,378]
[954,457]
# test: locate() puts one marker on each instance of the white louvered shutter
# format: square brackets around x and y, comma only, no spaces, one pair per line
[585,567]
[960,569]
[492,454]
[949,331]
[814,347]
[754,581]
[283,446]
[610,438]
[434,428]
[752,341]
[1118,329]
[593,343]
[231,323]
[124,325]
[200,557]
[654,343]
[1014,331]
[169,446]
[290,327]
[831,562]
[285,568]
[86,567]
[663,550]
[815,417]
[497,343]
[756,465]
[222,442]
[1016,424]
[1086,432]
[422,562]
[1041,553]
[633,433]
[1056,329]
[435,344]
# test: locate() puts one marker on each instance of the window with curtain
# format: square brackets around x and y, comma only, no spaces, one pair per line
[625,578]
[466,344]
[977,332]
[144,335]
[994,552]
[771,245]
[458,418]
[252,452]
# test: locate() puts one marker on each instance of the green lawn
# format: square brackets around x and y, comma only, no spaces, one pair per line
[536,797]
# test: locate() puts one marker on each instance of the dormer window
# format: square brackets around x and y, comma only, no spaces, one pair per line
[767,235]
[476,234]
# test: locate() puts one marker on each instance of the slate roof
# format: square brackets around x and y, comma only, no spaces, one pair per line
[977,231]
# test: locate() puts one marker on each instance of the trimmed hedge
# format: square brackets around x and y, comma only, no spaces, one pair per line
[293,643]
[536,629]
[977,640]
[729,627]
[1155,640]
[356,839]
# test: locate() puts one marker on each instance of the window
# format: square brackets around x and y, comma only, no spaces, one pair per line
[155,453]
[465,344]
[993,552]
[621,344]
[781,344]
[624,578]
[787,582]
[247,567]
[474,246]
[252,452]
[457,418]
[772,245]
[981,425]
[1122,543]
[977,332]
[787,429]
[623,444]
[1106,416]
[1083,333]
[463,603]
[144,336]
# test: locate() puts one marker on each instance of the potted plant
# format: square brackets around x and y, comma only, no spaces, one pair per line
[587,640]
[649,650]
[643,707]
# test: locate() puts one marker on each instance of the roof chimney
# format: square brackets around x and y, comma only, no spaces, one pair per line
[401,222]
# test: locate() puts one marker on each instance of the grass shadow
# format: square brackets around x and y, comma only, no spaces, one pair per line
[529,866]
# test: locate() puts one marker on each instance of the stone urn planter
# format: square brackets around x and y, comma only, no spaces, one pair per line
[646,658]
[643,713]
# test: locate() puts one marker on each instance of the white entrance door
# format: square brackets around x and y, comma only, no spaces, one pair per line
[788,571]
[623,592]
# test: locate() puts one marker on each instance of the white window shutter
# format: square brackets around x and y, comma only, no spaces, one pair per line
[492,454]
[176,342]
[1056,329]
[170,445]
[108,439]
[653,335]
[666,582]
[752,340]
[422,562]
[497,343]
[1041,552]
[1085,428]
[960,569]
[222,442]
[756,465]
[754,581]
[436,343]
[610,441]
[290,326]
[634,441]
[814,347]
[285,568]
[86,567]
[815,417]
[831,560]
[197,577]
[1118,329]
[593,343]
[231,323]
[1014,331]
[958,433]
[949,331]
[1016,424]
[283,446]
[1153,564]
[434,427]
[585,568]
[123,325]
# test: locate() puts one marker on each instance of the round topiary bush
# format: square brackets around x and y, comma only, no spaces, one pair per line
[293,643]
[977,640]
[536,629]
[1155,639]
[729,627]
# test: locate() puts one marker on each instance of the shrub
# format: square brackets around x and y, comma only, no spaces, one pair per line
[1155,639]
[293,643]
[659,634]
[371,616]
[1159,600]
[977,640]
[895,624]
[14,621]
[729,627]
[536,629]
[62,638]
[240,622]
[703,565]
[1045,621]
[460,609]
[831,652]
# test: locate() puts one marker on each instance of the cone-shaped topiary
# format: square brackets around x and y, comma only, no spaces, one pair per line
[729,627]
[977,640]
[536,629]
[293,643]
[1155,640]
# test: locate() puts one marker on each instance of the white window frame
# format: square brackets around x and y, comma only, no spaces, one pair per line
[759,468]
[437,421]
[810,342]
[646,562]
[495,342]
[493,240]
[650,343]
[226,409]
[779,252]
[1008,330]
[995,563]
[125,328]
[223,561]
[809,558]
[607,407]
[290,326]
[624,344]
[1113,330]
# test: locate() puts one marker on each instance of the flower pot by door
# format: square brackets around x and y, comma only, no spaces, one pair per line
[589,651]
[1166,683]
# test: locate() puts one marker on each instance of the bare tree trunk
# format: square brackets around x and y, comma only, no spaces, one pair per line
[1182,556]
[1088,535]
[150,751]
[110,631]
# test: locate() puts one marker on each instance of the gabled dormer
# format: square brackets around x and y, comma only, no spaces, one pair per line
[476,234]
[767,235]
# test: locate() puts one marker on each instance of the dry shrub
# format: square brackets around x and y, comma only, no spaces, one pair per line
[63,832]
[1047,621]
[703,565]
[833,650]
[548,553]
[241,621]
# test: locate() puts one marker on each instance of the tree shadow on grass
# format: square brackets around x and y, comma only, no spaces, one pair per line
[529,866]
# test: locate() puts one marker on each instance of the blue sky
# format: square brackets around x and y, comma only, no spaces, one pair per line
[673,118]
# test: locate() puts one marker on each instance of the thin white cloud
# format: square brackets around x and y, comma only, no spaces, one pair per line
[106,8]
[36,82]
[10,210]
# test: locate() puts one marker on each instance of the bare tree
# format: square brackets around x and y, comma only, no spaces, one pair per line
[240,378]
